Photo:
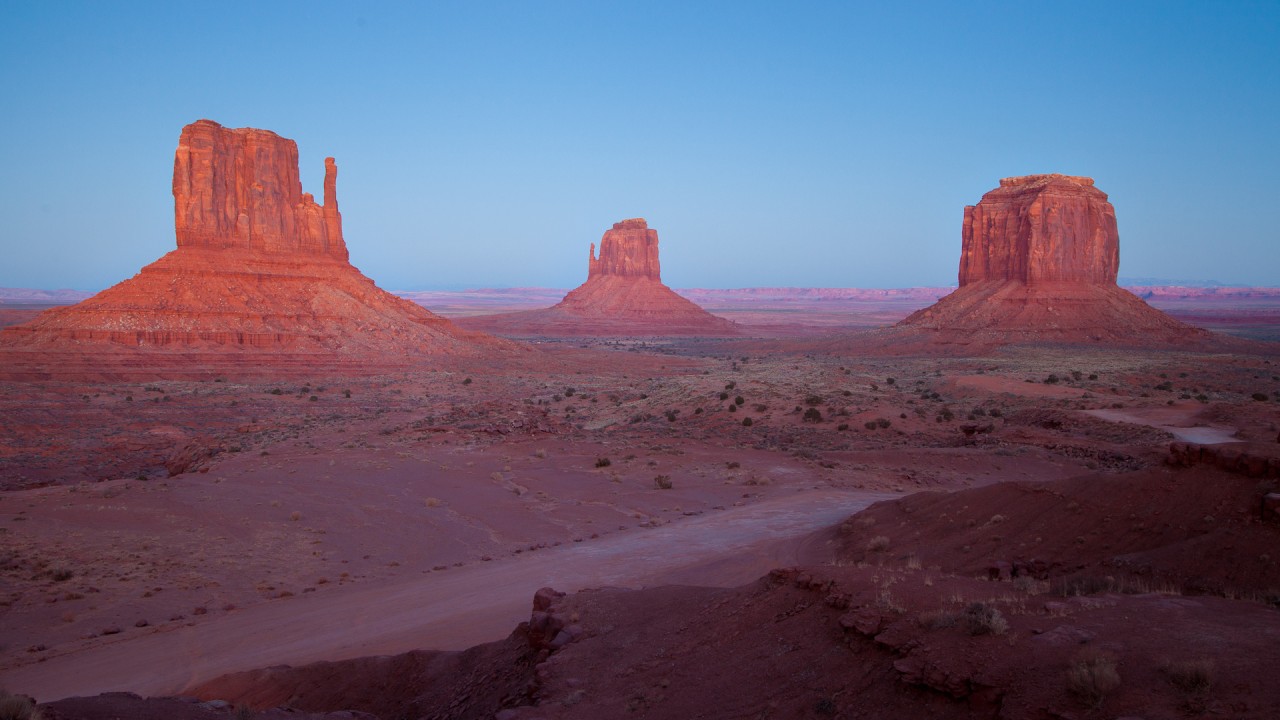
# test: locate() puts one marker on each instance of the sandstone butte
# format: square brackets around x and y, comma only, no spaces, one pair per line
[623,296]
[260,277]
[1038,263]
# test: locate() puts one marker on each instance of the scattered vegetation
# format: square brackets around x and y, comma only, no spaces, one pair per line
[603,462]
[984,619]
[1193,676]
[1092,677]
[18,707]
[812,415]
[879,543]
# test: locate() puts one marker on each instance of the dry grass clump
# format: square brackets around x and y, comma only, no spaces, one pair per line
[662,482]
[879,543]
[1193,676]
[1092,677]
[983,619]
[18,707]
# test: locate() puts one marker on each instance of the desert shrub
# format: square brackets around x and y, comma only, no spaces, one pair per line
[812,415]
[1194,676]
[1092,677]
[813,400]
[938,619]
[568,392]
[879,543]
[731,385]
[883,422]
[1166,386]
[748,422]
[467,381]
[733,464]
[346,393]
[842,427]
[62,575]
[662,482]
[739,400]
[18,707]
[889,381]
[1051,380]
[983,619]
[724,396]
[1093,376]
[1260,397]
[733,408]
[697,411]
[603,462]
[1076,375]
[671,415]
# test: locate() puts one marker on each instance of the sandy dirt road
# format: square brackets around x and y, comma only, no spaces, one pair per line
[447,610]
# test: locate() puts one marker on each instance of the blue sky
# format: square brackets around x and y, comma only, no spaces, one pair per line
[770,144]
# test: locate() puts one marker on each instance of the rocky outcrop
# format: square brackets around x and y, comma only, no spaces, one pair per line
[1038,263]
[628,249]
[1041,228]
[239,188]
[259,268]
[623,296]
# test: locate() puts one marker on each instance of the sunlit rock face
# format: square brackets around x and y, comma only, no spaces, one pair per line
[623,296]
[1041,228]
[239,188]
[1038,262]
[259,265]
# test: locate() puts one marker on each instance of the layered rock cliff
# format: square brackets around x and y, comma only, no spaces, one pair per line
[629,249]
[239,188]
[623,295]
[1039,257]
[259,267]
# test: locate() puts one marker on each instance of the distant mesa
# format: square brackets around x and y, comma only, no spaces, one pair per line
[623,296]
[260,268]
[1038,263]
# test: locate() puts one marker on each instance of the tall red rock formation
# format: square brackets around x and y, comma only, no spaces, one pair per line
[260,267]
[1039,258]
[628,249]
[623,295]
[239,189]
[1041,228]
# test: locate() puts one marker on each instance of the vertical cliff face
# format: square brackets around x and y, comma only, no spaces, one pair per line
[628,249]
[239,188]
[1038,263]
[1041,228]
[623,296]
[260,267]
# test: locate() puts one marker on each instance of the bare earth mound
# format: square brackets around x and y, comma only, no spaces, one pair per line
[623,296]
[260,277]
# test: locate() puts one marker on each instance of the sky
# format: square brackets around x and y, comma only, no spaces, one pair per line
[803,144]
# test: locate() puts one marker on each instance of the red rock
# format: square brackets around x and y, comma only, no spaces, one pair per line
[1041,228]
[260,268]
[1038,263]
[628,249]
[623,295]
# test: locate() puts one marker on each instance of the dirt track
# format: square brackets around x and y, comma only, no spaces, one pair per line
[447,610]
